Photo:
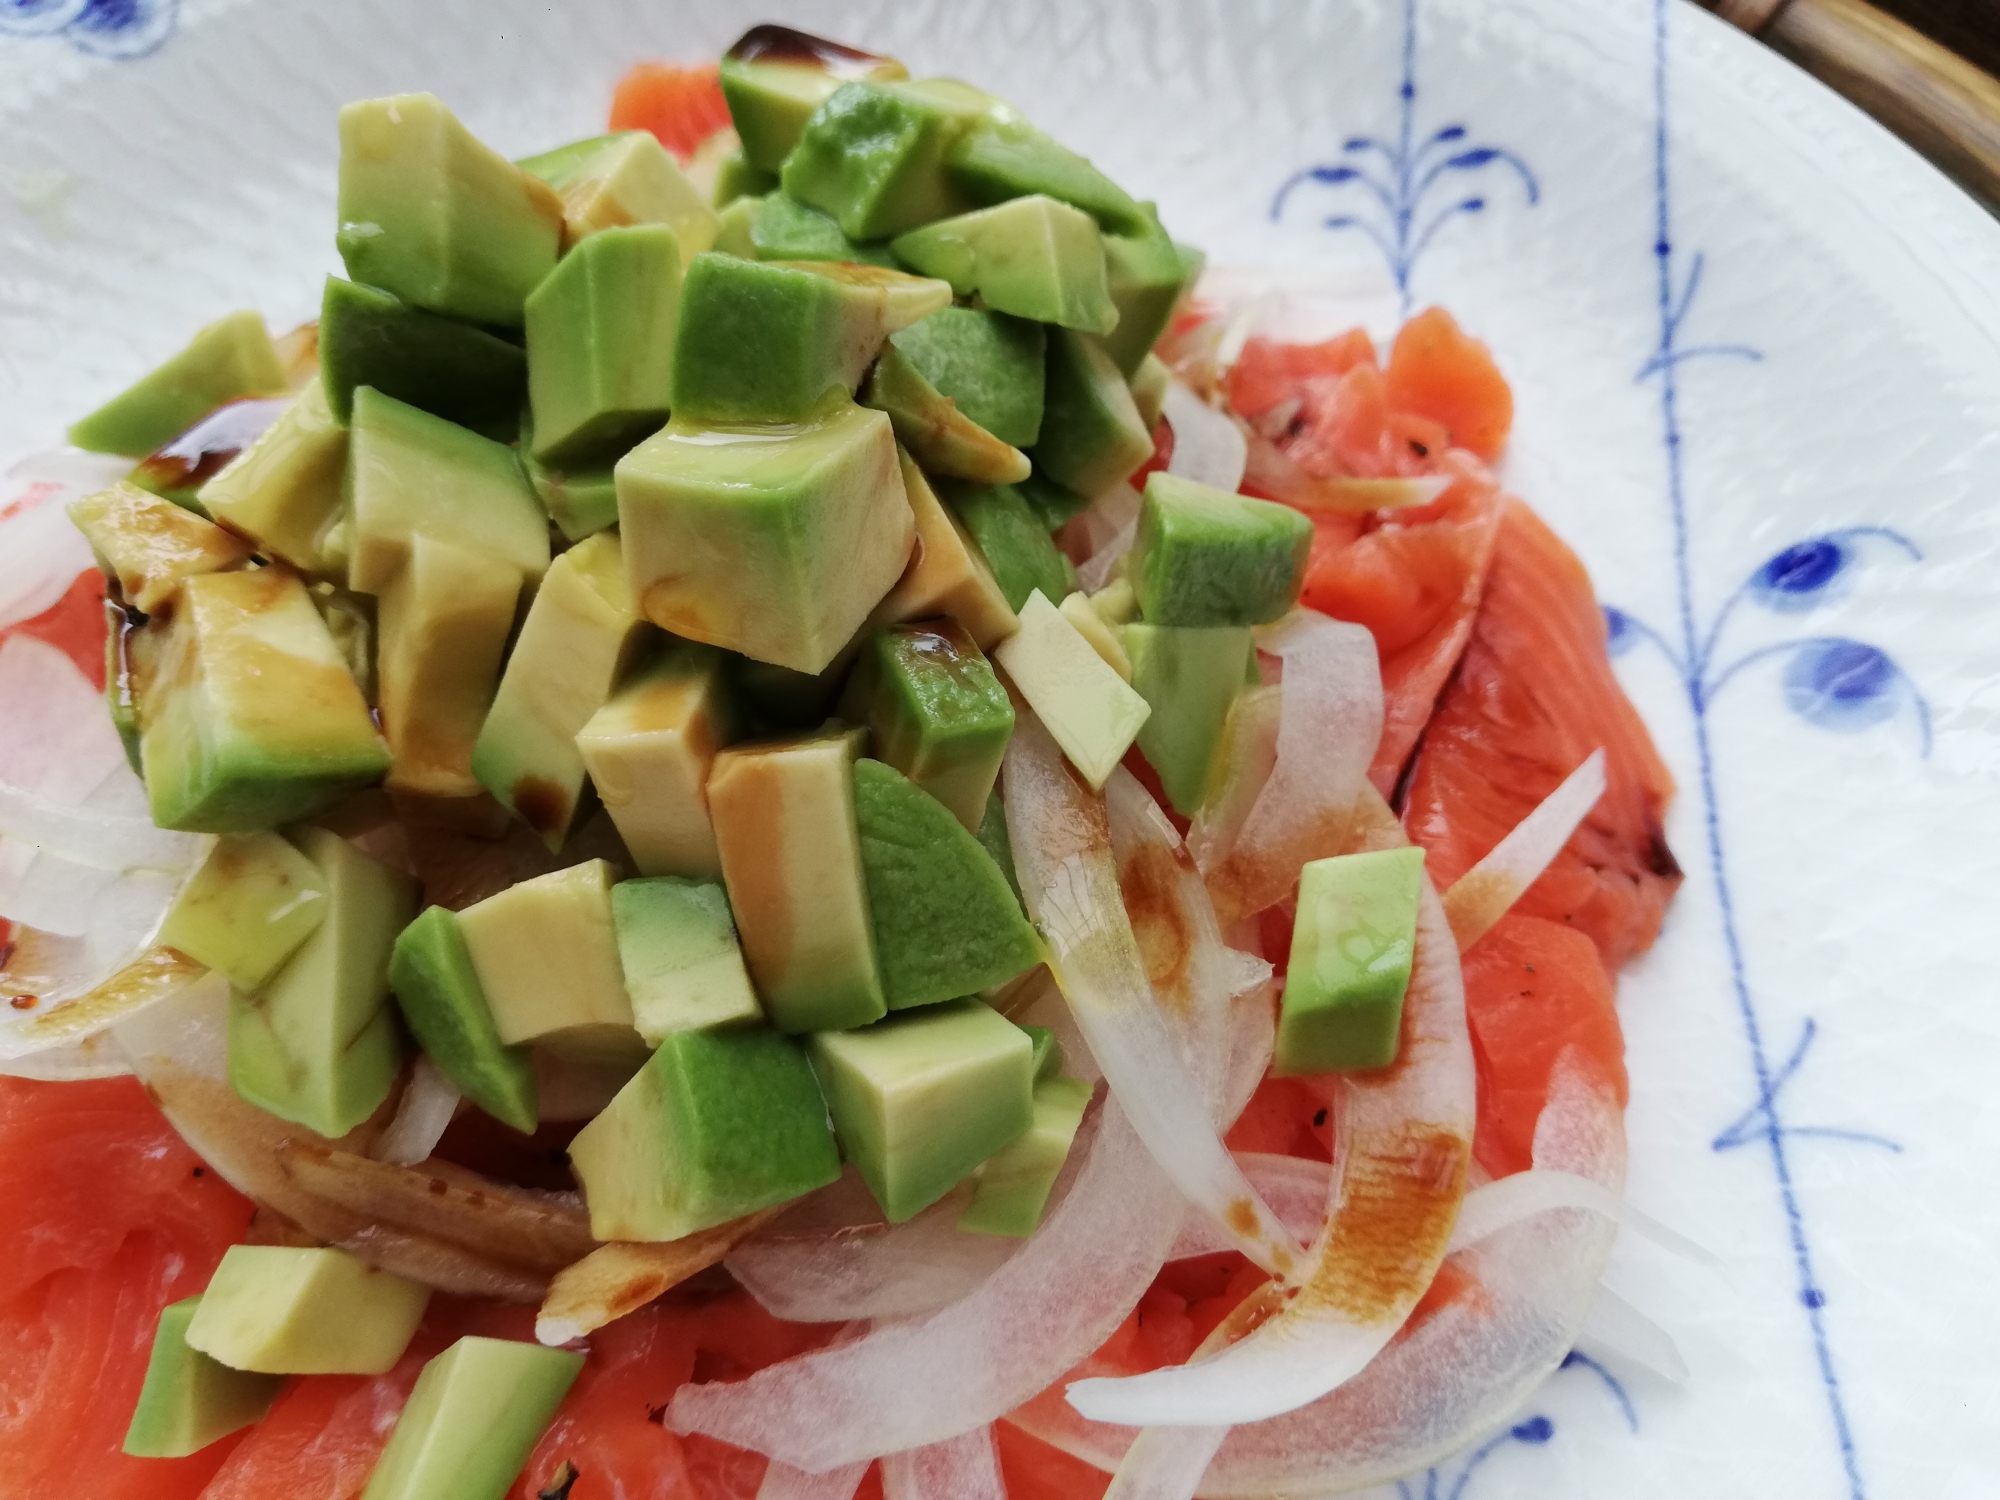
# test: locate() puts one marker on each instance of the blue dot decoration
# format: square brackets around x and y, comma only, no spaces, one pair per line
[1802,576]
[1621,632]
[1843,685]
[1813,1298]
[1534,1430]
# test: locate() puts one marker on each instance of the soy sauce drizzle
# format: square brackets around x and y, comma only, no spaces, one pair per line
[800,49]
[200,453]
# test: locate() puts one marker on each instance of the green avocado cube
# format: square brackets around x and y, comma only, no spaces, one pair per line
[786,229]
[582,501]
[947,575]
[1053,505]
[430,213]
[772,542]
[286,1310]
[736,178]
[1353,942]
[733,227]
[1033,257]
[1003,157]
[990,364]
[786,825]
[147,546]
[946,923]
[474,1416]
[873,154]
[773,78]
[442,1002]
[614,181]
[600,342]
[1012,1190]
[1149,389]
[1203,556]
[992,835]
[451,369]
[411,472]
[283,492]
[1048,1052]
[921,1099]
[247,908]
[226,361]
[251,717]
[318,1044]
[716,1125]
[1011,537]
[778,701]
[769,341]
[935,711]
[1190,675]
[190,1400]
[1089,710]
[1092,435]
[123,672]
[683,964]
[1146,276]
[938,435]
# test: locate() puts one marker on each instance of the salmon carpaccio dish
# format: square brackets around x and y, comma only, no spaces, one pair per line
[785,816]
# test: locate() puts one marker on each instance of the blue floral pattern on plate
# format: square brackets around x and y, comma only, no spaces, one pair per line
[121,29]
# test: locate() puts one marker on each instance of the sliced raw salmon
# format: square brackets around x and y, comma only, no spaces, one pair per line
[1438,372]
[74,625]
[682,106]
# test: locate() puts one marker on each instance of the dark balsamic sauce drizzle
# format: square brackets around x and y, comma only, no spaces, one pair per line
[800,49]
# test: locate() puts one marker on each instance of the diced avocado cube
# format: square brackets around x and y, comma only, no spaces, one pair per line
[1147,277]
[947,574]
[921,1099]
[1091,711]
[1048,1052]
[935,711]
[1190,675]
[769,341]
[411,472]
[189,1400]
[736,178]
[121,680]
[581,501]
[318,1045]
[147,545]
[943,439]
[1352,945]
[1149,389]
[786,229]
[773,78]
[1012,1190]
[1092,435]
[613,181]
[429,212]
[546,953]
[946,923]
[284,490]
[648,752]
[872,155]
[600,342]
[774,543]
[229,359]
[1012,539]
[450,369]
[1203,556]
[247,908]
[442,1001]
[283,1310]
[733,227]
[778,701]
[683,964]
[992,835]
[1052,504]
[1091,625]
[791,856]
[990,364]
[475,1415]
[716,1125]
[1033,257]
[1003,157]
[251,718]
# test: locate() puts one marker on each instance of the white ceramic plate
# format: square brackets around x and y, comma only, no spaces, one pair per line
[1756,346]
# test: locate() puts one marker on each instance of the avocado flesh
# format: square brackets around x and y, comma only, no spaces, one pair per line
[284,490]
[778,701]
[582,501]
[444,624]
[946,923]
[1092,435]
[474,1416]
[1090,711]
[441,1000]
[247,909]
[785,229]
[435,216]
[437,364]
[411,472]
[122,675]
[281,1310]
[1013,541]
[1149,389]
[317,1045]
[1033,257]
[944,441]
[226,361]
[148,545]
[716,1125]
[990,364]
[947,575]
[546,953]
[921,1099]
[1012,1191]
[251,718]
[615,181]
[1048,1053]
[600,342]
[178,470]
[1053,505]
[785,824]
[1004,157]
[736,178]
[993,838]
[580,634]
[872,155]
[733,228]
[1190,675]
[1104,640]
[774,542]
[773,90]
[934,711]
[190,1400]
[1146,277]
[648,751]
[1353,942]
[1203,556]
[683,964]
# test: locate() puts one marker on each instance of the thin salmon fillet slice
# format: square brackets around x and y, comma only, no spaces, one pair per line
[681,106]
[1533,696]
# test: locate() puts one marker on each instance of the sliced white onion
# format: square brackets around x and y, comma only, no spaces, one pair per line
[1107,529]
[1621,1330]
[1482,895]
[1508,1200]
[41,551]
[1165,1463]
[1208,447]
[59,742]
[49,1025]
[1047,1007]
[966,1467]
[1361,497]
[96,1056]
[97,840]
[1295,1187]
[188,1030]
[424,1112]
[1253,1033]
[783,1482]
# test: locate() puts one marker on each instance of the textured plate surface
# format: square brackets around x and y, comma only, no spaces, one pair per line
[1756,346]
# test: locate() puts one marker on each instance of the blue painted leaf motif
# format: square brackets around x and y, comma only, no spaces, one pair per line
[1621,631]
[38,17]
[1479,156]
[1802,576]
[1534,1430]
[1843,685]
[124,29]
[1333,175]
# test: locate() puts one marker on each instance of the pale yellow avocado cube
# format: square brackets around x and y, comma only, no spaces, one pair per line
[1081,613]
[1090,710]
[947,575]
[150,545]
[281,1310]
[247,909]
[283,491]
[623,179]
